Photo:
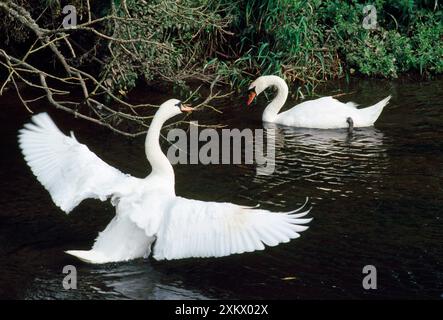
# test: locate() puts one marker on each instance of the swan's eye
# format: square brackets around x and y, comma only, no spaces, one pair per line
[179,104]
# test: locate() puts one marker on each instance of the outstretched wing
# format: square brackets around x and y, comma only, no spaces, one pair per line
[65,167]
[211,229]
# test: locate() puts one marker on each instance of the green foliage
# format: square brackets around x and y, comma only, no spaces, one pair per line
[178,36]
[282,37]
[308,41]
[305,41]
[408,37]
[428,41]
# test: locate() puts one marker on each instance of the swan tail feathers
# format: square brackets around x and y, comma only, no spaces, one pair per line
[90,256]
[371,114]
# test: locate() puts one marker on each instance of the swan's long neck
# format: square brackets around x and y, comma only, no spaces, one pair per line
[159,162]
[271,111]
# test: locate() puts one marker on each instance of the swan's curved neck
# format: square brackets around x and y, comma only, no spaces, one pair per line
[277,103]
[159,162]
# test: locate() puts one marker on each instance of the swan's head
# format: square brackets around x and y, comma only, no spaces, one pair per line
[256,87]
[174,107]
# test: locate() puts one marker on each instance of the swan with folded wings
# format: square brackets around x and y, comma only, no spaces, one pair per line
[148,213]
[322,113]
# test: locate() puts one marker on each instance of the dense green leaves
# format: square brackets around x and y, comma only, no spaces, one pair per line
[306,41]
[408,38]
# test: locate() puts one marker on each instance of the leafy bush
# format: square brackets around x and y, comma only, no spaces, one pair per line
[408,37]
[305,41]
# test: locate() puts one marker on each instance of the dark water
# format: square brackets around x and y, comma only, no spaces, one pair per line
[377,200]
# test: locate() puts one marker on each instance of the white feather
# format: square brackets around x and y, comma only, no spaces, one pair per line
[214,229]
[65,167]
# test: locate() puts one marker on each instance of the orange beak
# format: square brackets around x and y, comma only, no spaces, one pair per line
[186,108]
[251,97]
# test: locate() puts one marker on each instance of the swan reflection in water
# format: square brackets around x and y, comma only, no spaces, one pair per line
[331,161]
[129,280]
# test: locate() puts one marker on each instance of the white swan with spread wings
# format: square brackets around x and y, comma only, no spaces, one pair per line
[147,210]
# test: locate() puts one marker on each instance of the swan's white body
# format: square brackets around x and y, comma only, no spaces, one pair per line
[322,113]
[147,210]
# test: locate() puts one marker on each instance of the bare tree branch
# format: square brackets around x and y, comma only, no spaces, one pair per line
[61,43]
